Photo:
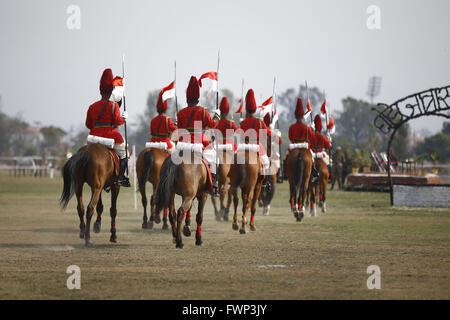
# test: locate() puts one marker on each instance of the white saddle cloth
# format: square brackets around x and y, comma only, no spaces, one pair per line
[109,142]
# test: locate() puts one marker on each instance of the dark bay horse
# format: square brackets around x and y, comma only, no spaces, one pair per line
[267,193]
[92,164]
[148,168]
[190,181]
[298,169]
[318,189]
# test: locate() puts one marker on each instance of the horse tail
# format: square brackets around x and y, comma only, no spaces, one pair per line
[166,184]
[69,170]
[299,171]
[149,159]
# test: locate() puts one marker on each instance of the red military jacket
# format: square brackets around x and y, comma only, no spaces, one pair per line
[224,126]
[187,117]
[104,124]
[256,124]
[161,127]
[319,142]
[300,132]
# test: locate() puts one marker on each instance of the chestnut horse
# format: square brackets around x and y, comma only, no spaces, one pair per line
[92,164]
[246,176]
[148,168]
[318,189]
[189,180]
[298,169]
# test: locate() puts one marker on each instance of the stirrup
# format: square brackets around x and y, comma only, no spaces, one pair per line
[124,182]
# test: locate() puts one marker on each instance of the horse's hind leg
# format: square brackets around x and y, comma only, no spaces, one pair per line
[256,195]
[80,209]
[199,218]
[247,198]
[233,192]
[226,210]
[185,206]
[144,204]
[89,213]
[98,222]
[187,224]
[172,219]
[113,212]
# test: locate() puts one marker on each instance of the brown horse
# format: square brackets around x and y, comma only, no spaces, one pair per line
[246,176]
[148,168]
[298,169]
[189,180]
[225,160]
[318,189]
[92,164]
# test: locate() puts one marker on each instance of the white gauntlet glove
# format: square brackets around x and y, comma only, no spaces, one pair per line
[217,114]
[125,115]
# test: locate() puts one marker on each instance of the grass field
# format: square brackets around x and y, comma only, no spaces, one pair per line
[324,257]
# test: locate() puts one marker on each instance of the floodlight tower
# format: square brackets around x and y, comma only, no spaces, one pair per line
[374,87]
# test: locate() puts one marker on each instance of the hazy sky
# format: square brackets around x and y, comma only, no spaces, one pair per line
[51,74]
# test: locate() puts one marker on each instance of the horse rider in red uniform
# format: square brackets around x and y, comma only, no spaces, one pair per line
[225,126]
[162,126]
[103,117]
[319,141]
[299,132]
[195,119]
[257,124]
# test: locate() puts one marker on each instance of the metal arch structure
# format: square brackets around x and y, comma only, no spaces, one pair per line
[431,102]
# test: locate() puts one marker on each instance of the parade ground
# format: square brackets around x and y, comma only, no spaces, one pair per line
[323,257]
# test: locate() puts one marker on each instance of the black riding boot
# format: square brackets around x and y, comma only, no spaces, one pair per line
[122,180]
[314,173]
[215,185]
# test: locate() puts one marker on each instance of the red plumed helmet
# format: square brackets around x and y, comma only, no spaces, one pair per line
[267,119]
[318,123]
[299,112]
[106,85]
[193,89]
[224,106]
[250,103]
[160,105]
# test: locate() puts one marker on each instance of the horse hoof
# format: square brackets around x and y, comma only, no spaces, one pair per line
[242,231]
[179,245]
[165,226]
[157,219]
[89,243]
[81,235]
[252,228]
[186,231]
[144,225]
[150,225]
[113,239]
[97,227]
[198,241]
[300,217]
[225,217]
[235,226]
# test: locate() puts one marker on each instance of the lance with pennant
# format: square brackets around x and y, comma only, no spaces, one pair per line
[125,109]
